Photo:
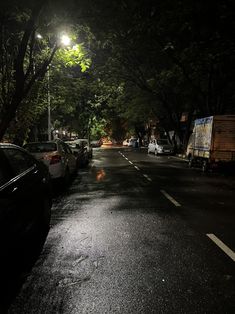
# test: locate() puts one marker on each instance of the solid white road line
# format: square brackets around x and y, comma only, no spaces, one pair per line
[147,177]
[222,246]
[137,168]
[170,198]
[130,162]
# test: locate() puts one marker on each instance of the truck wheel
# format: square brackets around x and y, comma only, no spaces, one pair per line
[205,166]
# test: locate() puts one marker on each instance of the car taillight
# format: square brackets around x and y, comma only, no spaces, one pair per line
[55,159]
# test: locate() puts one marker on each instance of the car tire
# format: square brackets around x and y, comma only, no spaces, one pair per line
[191,162]
[205,166]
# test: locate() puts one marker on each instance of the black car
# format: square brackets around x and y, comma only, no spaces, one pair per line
[80,153]
[25,200]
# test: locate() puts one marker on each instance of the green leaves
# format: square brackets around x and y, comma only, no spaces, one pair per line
[73,56]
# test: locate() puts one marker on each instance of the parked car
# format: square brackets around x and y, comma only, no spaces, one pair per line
[125,142]
[80,152]
[160,146]
[25,200]
[57,156]
[86,144]
[96,143]
[133,142]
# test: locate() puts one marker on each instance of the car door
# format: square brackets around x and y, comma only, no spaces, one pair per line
[21,194]
[72,159]
[69,156]
[152,146]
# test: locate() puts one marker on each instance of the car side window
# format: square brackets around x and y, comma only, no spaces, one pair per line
[18,160]
[66,148]
[61,147]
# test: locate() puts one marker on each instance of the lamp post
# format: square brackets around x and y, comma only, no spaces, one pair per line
[65,41]
[48,104]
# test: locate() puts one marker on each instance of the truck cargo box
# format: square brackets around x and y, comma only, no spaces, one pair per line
[213,139]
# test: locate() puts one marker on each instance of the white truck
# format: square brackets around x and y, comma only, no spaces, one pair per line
[212,141]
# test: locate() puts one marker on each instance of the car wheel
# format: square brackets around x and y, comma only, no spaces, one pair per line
[191,162]
[205,166]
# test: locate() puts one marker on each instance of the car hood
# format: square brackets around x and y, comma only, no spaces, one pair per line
[166,146]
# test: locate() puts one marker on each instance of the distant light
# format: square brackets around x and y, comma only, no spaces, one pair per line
[65,40]
[39,36]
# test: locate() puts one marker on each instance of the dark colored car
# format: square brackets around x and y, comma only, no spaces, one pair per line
[25,200]
[80,152]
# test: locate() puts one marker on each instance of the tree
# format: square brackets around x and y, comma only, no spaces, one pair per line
[179,52]
[20,64]
[26,56]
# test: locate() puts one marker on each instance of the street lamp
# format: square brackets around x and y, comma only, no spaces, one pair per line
[64,40]
[48,105]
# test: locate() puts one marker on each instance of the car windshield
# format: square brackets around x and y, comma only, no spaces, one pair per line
[163,142]
[72,144]
[41,147]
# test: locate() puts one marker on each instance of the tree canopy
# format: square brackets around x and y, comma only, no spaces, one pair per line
[140,59]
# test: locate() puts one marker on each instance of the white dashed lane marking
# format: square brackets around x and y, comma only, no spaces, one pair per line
[137,168]
[170,198]
[147,177]
[222,246]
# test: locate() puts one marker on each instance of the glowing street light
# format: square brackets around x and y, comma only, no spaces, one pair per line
[65,40]
[39,36]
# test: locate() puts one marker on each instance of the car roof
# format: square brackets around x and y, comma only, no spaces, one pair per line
[8,145]
[71,142]
[44,142]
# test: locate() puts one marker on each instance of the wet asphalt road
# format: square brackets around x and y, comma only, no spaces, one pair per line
[130,236]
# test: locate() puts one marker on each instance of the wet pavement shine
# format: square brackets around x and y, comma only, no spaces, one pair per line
[118,244]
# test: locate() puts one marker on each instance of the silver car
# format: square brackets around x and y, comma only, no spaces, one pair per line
[57,156]
[160,146]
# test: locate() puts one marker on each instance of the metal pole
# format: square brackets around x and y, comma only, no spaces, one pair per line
[49,104]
